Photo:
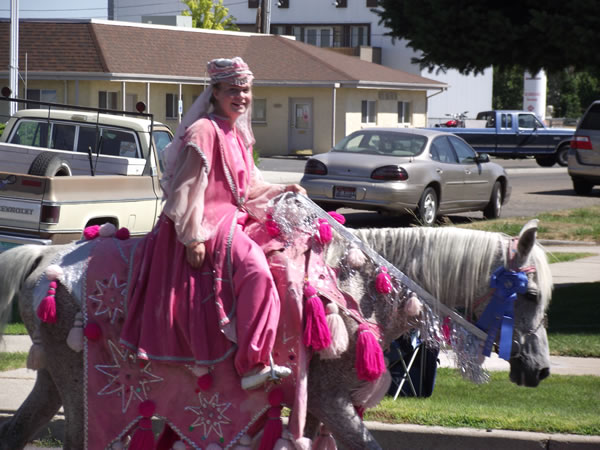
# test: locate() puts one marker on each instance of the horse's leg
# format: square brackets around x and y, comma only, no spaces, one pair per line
[42,403]
[66,368]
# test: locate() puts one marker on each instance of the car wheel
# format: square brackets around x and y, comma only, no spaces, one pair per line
[494,207]
[428,207]
[545,161]
[582,187]
[562,155]
[48,164]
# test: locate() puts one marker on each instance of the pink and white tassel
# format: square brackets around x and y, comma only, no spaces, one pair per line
[339,333]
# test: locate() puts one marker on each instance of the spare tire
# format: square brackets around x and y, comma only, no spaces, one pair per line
[48,164]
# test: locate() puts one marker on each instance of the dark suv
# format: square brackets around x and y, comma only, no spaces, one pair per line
[584,155]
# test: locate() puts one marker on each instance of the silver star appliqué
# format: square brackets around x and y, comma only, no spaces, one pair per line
[211,415]
[126,377]
[110,298]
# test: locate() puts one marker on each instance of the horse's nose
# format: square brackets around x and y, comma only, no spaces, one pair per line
[544,373]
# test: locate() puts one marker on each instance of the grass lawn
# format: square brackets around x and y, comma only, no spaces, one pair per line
[581,224]
[560,404]
[11,361]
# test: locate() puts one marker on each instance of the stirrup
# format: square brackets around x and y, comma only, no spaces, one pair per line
[272,373]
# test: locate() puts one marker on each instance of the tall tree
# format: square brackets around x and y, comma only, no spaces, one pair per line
[471,35]
[210,14]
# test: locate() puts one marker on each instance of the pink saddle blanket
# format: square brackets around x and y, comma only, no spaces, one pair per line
[209,411]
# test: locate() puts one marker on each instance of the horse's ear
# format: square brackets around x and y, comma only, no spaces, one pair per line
[527,238]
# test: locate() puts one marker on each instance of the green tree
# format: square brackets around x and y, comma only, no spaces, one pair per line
[210,14]
[507,88]
[471,35]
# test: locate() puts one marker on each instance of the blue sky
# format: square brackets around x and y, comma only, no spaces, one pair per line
[58,9]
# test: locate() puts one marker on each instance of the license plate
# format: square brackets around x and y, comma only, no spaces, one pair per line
[344,192]
[6,245]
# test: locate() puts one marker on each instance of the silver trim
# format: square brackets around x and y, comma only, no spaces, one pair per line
[24,240]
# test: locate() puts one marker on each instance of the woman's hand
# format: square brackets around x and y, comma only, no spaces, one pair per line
[295,188]
[195,253]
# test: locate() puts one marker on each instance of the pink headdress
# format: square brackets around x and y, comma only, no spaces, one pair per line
[220,70]
[232,71]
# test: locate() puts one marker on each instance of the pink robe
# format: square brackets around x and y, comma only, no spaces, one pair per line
[201,316]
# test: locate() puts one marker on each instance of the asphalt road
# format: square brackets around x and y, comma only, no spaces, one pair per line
[534,190]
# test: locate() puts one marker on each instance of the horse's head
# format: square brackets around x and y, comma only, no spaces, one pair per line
[530,356]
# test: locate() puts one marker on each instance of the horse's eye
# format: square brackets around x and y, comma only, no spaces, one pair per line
[531,295]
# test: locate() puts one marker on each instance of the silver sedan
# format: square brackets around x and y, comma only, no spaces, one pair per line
[406,171]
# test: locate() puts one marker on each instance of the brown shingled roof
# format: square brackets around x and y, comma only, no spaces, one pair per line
[137,51]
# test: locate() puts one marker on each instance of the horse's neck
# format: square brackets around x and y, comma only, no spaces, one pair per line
[451,264]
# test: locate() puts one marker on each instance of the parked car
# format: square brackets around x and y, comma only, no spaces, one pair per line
[408,170]
[584,155]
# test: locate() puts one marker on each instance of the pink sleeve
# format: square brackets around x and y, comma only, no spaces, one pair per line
[185,204]
[259,194]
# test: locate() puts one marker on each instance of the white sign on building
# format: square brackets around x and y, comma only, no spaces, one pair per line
[534,93]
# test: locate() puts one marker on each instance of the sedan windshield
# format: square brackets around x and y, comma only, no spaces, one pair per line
[382,143]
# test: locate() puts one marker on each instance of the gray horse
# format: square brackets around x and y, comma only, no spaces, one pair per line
[453,265]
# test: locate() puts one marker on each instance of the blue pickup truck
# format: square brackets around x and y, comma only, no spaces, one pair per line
[517,134]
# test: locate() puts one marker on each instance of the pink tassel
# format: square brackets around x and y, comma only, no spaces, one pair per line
[143,438]
[413,306]
[325,234]
[46,311]
[383,282]
[339,333]
[92,331]
[369,356]
[324,440]
[91,232]
[272,228]
[122,234]
[356,258]
[205,382]
[274,427]
[53,272]
[316,332]
[337,216]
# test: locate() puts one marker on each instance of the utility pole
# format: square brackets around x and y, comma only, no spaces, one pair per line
[263,17]
[14,53]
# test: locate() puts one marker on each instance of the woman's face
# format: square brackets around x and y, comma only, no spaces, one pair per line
[231,100]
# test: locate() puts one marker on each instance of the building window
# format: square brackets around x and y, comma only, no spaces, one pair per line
[319,36]
[372,3]
[283,3]
[172,106]
[369,111]
[359,35]
[252,3]
[107,100]
[259,110]
[404,113]
[44,95]
[341,3]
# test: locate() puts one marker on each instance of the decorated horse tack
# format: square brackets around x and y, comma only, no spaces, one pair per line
[207,408]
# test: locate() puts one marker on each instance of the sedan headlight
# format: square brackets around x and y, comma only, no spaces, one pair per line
[390,173]
[315,167]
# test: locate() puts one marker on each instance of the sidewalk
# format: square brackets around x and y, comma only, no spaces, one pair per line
[15,385]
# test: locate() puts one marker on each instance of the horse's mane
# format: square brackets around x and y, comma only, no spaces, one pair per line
[451,262]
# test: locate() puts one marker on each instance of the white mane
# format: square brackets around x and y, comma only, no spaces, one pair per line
[451,262]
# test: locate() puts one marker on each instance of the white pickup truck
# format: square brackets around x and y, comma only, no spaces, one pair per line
[64,168]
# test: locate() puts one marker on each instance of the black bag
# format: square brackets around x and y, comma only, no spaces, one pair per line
[422,372]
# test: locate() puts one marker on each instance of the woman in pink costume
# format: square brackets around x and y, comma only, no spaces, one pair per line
[202,288]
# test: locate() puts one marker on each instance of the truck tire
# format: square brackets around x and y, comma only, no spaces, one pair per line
[48,164]
[581,186]
[545,161]
[494,207]
[562,155]
[428,207]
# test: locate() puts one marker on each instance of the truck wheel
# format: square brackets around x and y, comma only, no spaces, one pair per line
[49,165]
[545,161]
[582,187]
[562,155]
[428,207]
[494,207]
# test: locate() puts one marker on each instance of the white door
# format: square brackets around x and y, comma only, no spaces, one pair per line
[301,124]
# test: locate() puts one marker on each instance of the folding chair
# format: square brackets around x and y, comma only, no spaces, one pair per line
[399,351]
